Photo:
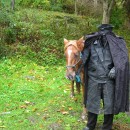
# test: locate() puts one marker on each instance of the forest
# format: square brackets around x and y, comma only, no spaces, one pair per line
[35,95]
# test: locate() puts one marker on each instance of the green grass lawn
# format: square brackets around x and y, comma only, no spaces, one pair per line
[35,97]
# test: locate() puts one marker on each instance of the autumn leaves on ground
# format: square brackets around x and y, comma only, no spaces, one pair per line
[35,97]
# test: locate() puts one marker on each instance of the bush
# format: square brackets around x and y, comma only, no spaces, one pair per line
[7,34]
[4,50]
[26,3]
[4,18]
[39,36]
[118,17]
[10,35]
[68,6]
[57,7]
[25,32]
[43,4]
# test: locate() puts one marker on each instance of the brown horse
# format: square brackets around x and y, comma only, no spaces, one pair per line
[72,50]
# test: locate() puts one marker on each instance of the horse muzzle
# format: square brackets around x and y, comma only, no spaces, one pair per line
[70,76]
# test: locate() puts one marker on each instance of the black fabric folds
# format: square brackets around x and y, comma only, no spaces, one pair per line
[120,58]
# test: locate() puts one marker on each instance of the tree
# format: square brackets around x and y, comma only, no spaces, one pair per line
[75,4]
[127,8]
[12,4]
[107,7]
[95,2]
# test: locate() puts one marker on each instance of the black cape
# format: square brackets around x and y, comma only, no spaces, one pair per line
[120,58]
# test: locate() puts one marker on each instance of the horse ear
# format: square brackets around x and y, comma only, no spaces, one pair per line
[65,41]
[80,43]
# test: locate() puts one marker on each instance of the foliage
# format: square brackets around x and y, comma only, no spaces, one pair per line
[4,18]
[26,3]
[44,4]
[118,17]
[68,6]
[127,8]
[38,34]
[10,35]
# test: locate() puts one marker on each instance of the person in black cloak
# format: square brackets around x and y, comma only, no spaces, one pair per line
[106,65]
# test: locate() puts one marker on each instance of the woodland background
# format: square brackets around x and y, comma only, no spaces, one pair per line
[34,92]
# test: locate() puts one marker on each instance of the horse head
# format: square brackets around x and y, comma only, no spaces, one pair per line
[72,50]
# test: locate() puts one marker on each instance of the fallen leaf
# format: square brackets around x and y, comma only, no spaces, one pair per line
[63,106]
[27,102]
[58,110]
[23,107]
[27,111]
[44,110]
[75,99]
[2,126]
[85,121]
[38,114]
[70,108]
[65,112]
[60,121]
[35,109]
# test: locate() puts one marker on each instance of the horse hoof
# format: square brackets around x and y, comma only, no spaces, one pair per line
[72,95]
[83,116]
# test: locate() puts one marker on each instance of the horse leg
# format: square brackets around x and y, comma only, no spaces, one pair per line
[83,116]
[72,89]
[78,87]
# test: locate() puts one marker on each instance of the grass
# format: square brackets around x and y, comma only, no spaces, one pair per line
[35,97]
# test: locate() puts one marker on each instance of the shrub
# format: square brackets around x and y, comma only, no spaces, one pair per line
[26,3]
[57,7]
[7,34]
[4,18]
[10,35]
[68,6]
[117,17]
[43,4]
[4,50]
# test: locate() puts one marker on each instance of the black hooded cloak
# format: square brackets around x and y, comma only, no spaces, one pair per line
[121,62]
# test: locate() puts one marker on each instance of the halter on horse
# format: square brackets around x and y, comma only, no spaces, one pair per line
[72,51]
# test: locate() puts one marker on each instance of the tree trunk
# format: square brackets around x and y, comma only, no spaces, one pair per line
[106,16]
[95,4]
[12,4]
[76,7]
[107,7]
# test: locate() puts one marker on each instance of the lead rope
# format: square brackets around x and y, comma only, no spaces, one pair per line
[77,76]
